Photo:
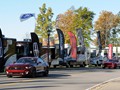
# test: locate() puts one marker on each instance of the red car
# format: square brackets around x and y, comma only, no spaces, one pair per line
[27,66]
[112,63]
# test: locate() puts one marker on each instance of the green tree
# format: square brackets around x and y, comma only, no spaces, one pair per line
[83,20]
[74,19]
[44,21]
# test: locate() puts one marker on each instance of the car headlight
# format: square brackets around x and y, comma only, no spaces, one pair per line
[28,67]
[7,67]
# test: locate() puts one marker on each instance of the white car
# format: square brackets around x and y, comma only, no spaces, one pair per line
[97,61]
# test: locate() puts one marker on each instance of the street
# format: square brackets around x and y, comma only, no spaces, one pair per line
[58,79]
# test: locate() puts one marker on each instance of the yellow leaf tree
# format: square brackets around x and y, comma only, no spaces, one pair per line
[65,23]
[106,21]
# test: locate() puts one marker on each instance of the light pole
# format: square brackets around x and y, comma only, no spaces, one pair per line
[48,33]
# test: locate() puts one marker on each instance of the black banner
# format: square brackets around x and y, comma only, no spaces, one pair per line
[99,40]
[1,45]
[61,43]
[1,52]
[36,44]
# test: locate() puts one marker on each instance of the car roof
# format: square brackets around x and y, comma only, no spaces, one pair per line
[30,57]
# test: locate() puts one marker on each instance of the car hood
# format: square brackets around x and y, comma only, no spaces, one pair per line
[19,64]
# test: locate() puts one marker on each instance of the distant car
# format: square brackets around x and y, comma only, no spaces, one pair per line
[112,63]
[27,66]
[97,61]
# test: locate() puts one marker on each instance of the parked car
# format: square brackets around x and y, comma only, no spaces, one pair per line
[27,66]
[111,63]
[96,61]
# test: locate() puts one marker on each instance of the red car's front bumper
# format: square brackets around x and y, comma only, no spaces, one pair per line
[18,72]
[110,65]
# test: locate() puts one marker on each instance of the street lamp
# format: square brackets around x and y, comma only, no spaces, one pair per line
[48,33]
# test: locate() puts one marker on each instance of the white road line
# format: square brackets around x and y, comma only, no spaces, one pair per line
[98,85]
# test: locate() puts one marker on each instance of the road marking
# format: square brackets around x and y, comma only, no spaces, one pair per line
[100,84]
[10,84]
[14,83]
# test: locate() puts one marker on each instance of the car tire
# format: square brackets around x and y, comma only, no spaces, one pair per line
[33,75]
[46,73]
[115,67]
[103,67]
[55,66]
[9,76]
[71,66]
[67,66]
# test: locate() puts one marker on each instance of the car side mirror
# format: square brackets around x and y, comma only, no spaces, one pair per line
[38,63]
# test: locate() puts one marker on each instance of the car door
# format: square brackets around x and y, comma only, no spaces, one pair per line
[40,65]
[118,63]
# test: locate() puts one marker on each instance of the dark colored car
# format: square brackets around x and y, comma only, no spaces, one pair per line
[27,66]
[112,63]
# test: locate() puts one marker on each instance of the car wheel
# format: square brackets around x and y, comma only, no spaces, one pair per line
[67,66]
[33,74]
[9,76]
[55,66]
[103,67]
[71,66]
[115,67]
[46,73]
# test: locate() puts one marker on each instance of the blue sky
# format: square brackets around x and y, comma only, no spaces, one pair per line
[10,11]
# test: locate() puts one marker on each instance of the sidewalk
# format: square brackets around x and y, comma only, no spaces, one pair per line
[108,85]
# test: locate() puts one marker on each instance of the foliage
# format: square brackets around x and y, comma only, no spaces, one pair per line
[44,21]
[65,23]
[83,20]
[105,23]
[74,19]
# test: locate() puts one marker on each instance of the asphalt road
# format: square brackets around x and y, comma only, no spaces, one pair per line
[59,79]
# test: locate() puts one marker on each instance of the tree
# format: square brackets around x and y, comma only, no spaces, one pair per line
[44,21]
[65,23]
[74,19]
[83,20]
[105,23]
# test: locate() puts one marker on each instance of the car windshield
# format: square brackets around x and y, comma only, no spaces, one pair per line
[26,60]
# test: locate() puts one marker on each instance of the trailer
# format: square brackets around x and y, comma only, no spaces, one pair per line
[7,51]
[11,49]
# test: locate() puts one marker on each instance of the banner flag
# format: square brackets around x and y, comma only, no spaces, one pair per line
[99,40]
[73,44]
[61,43]
[36,44]
[26,16]
[110,51]
[1,44]
[81,40]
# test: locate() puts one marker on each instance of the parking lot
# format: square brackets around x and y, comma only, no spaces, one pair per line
[60,78]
